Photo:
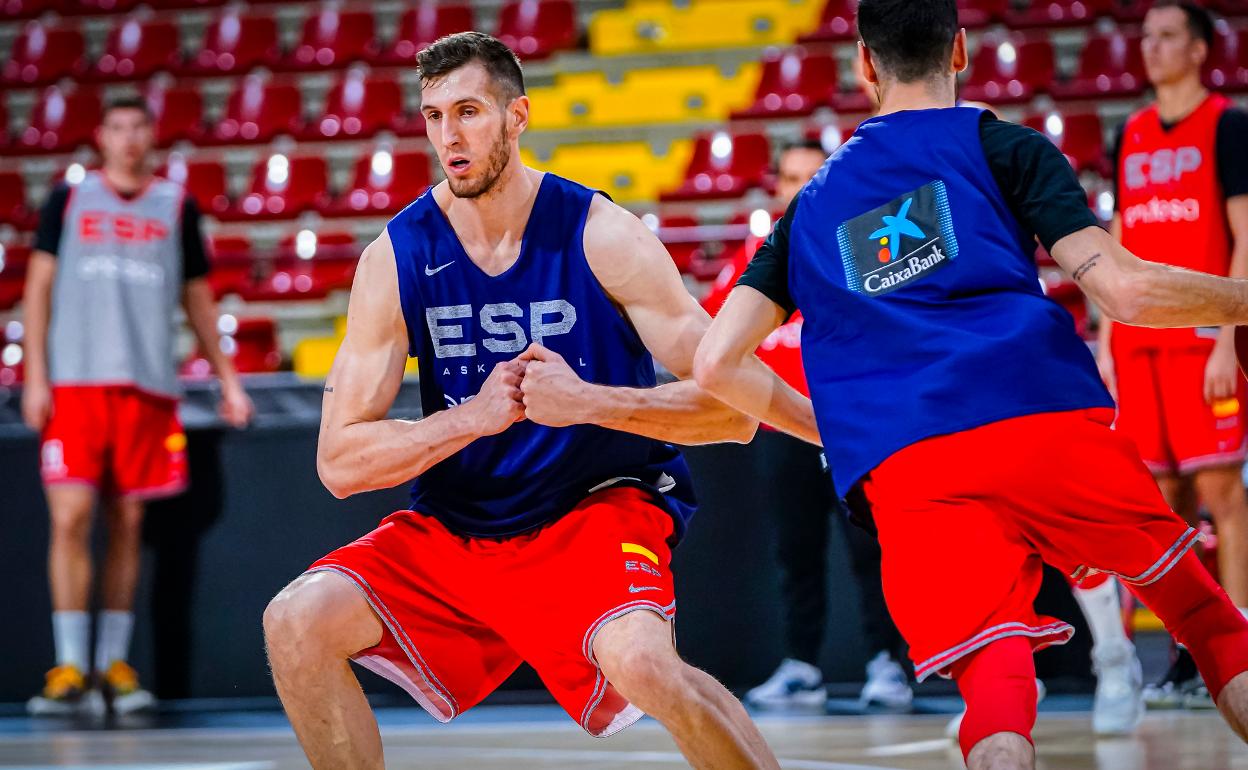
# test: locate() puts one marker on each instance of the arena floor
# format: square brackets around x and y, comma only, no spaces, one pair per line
[524,737]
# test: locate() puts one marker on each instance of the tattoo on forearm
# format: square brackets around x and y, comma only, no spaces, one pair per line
[1083,269]
[329,388]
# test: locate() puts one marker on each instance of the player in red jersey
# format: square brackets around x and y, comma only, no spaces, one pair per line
[1182,199]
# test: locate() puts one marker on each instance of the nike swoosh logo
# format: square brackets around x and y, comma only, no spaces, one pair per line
[437,270]
[632,589]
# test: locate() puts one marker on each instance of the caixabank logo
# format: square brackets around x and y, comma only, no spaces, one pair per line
[898,243]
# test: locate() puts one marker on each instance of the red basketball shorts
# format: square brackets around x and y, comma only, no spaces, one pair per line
[966,519]
[1162,407]
[117,438]
[460,614]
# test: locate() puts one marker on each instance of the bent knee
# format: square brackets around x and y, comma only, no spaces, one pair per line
[645,670]
[320,614]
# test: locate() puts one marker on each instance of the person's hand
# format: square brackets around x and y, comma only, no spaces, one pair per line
[36,404]
[1221,374]
[235,407]
[553,394]
[499,403]
[1105,365]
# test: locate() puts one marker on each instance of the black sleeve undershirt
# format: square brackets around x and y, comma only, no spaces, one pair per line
[1231,146]
[1034,177]
[52,224]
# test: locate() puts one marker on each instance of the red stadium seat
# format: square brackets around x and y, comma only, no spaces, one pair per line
[332,38]
[251,343]
[1130,10]
[685,252]
[1228,7]
[204,181]
[137,50]
[95,7]
[793,83]
[13,261]
[1009,70]
[535,29]
[44,53]
[1057,13]
[282,188]
[257,111]
[383,184]
[306,266]
[235,43]
[1080,138]
[835,23]
[25,9]
[231,264]
[973,14]
[358,106]
[1227,66]
[1109,65]
[6,138]
[422,25]
[13,208]
[61,121]
[724,166]
[162,5]
[178,113]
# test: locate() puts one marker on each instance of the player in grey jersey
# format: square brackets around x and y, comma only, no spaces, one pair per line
[114,255]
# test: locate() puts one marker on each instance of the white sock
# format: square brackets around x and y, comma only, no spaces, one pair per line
[114,638]
[71,631]
[1103,610]
[1244,611]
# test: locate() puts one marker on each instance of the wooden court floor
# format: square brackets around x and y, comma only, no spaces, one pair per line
[539,739]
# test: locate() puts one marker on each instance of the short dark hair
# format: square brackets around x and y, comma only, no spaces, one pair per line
[909,39]
[447,54]
[804,144]
[127,103]
[1199,20]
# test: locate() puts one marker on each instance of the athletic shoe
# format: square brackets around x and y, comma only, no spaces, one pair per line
[795,683]
[64,693]
[121,687]
[1118,705]
[1197,697]
[955,724]
[886,684]
[1180,682]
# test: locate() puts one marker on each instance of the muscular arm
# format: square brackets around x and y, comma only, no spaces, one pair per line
[1140,293]
[727,368]
[358,448]
[638,274]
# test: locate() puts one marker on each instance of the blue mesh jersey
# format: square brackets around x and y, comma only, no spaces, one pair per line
[461,322]
[923,313]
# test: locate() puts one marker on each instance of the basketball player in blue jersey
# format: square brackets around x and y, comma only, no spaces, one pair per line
[547,496]
[955,401]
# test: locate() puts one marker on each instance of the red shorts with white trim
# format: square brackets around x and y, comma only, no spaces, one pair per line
[125,441]
[1162,407]
[965,521]
[460,614]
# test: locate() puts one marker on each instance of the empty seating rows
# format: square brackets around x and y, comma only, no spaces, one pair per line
[646,26]
[235,42]
[628,171]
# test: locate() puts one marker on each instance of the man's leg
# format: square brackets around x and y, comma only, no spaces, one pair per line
[1222,492]
[998,683]
[311,629]
[709,725]
[119,578]
[69,570]
[1200,616]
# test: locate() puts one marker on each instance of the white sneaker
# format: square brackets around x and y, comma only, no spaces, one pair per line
[955,725]
[1118,705]
[886,684]
[795,683]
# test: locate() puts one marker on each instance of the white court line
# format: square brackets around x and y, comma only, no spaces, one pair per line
[651,757]
[161,766]
[916,747]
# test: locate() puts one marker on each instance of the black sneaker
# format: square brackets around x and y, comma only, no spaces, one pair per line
[1181,687]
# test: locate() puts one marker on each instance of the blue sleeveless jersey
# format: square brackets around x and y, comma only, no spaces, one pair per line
[923,312]
[461,322]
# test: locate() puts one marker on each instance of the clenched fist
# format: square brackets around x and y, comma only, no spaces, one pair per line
[499,404]
[553,394]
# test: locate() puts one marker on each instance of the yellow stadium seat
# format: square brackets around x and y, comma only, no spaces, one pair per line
[313,357]
[653,25]
[627,171]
